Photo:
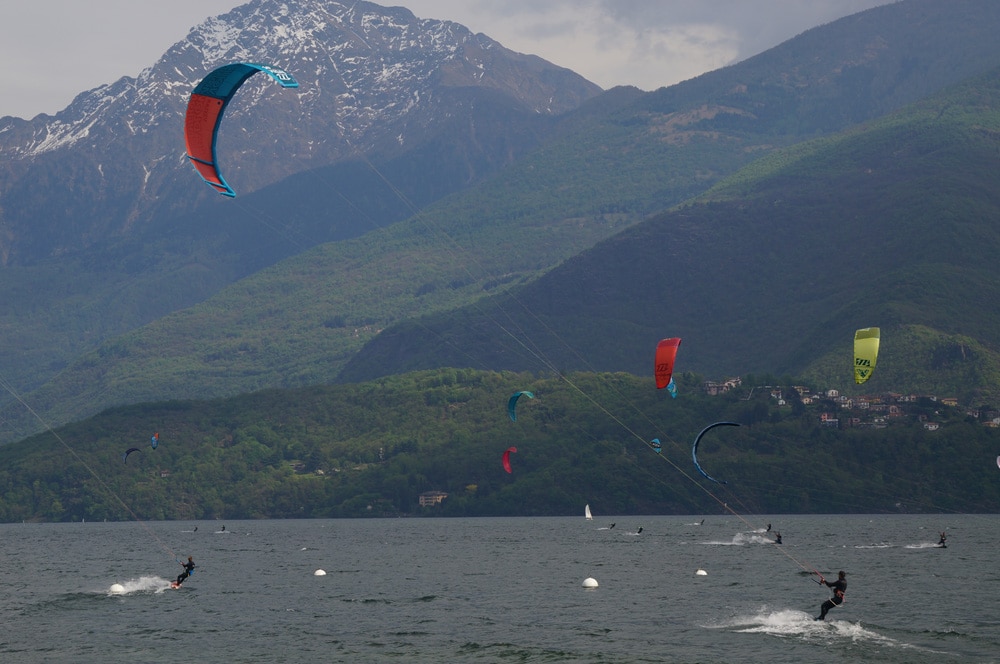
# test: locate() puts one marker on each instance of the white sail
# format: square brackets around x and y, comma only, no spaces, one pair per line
[586,512]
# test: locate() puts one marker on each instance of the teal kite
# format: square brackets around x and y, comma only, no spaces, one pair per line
[694,448]
[512,403]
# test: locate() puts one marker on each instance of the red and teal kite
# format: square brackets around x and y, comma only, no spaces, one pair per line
[666,351]
[204,115]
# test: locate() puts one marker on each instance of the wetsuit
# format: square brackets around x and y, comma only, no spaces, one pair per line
[839,588]
[188,569]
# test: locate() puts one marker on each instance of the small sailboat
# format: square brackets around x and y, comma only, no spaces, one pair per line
[586,512]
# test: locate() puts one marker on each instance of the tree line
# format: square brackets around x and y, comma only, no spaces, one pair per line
[371,449]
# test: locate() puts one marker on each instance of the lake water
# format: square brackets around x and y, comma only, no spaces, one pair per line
[503,590]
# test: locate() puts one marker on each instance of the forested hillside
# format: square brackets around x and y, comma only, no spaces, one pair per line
[598,169]
[105,226]
[372,449]
[892,224]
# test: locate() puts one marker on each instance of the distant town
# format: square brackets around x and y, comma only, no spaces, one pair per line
[869,411]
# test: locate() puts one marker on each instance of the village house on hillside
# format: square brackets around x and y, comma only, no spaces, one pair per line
[863,411]
[712,388]
[431,498]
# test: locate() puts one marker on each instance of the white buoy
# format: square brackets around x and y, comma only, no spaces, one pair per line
[590,582]
[117,589]
[319,572]
[701,572]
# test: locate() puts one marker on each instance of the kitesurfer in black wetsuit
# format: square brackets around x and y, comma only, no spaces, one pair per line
[777,538]
[839,588]
[941,541]
[188,571]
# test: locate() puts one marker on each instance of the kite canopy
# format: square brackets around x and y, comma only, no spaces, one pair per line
[127,452]
[512,403]
[154,440]
[204,115]
[666,351]
[866,342]
[694,448]
[506,458]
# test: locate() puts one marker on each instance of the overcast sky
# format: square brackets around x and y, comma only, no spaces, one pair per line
[54,49]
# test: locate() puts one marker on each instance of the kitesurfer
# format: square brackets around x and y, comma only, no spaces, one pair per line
[188,571]
[777,537]
[768,527]
[943,538]
[839,588]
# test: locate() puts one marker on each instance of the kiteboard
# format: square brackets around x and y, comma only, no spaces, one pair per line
[174,585]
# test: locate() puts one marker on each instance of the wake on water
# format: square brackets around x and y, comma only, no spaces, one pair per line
[144,584]
[742,539]
[791,623]
[886,545]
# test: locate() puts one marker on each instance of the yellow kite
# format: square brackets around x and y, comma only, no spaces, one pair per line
[865,353]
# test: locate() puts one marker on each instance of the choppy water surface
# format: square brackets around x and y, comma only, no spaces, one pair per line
[501,590]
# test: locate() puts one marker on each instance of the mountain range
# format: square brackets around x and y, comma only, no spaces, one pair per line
[103,228]
[422,168]
[891,224]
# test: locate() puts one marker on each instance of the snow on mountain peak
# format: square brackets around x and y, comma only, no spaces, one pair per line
[368,75]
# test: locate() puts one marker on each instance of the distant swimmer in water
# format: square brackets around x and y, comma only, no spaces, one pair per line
[839,588]
[777,538]
[941,541]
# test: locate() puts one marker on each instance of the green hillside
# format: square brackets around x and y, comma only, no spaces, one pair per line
[298,322]
[371,449]
[893,224]
[616,160]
